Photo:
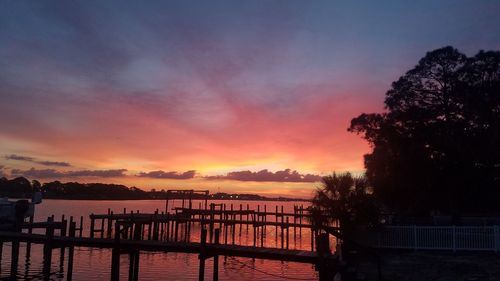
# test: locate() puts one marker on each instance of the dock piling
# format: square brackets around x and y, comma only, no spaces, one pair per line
[47,248]
[14,260]
[216,257]
[115,254]
[71,249]
[202,256]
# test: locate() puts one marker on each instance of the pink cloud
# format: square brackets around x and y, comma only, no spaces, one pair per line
[265,175]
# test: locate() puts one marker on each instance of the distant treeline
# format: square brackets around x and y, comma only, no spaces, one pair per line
[22,188]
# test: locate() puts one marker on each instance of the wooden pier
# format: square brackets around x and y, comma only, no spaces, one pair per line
[128,237]
[232,221]
[208,231]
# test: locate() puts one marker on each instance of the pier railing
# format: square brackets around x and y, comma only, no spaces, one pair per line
[232,221]
[469,238]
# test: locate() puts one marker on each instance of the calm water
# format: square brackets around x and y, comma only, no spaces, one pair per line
[95,264]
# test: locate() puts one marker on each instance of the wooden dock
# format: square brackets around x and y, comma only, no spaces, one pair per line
[132,232]
[231,220]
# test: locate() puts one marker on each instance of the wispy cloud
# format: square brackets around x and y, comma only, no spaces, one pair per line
[286,175]
[168,175]
[54,163]
[52,173]
[33,160]
[19,158]
[97,173]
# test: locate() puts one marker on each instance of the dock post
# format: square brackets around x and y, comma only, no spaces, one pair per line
[133,271]
[64,226]
[211,223]
[190,224]
[248,214]
[71,219]
[225,230]
[28,245]
[115,258]
[300,220]
[206,200]
[155,226]
[233,226]
[110,224]
[81,225]
[150,228]
[203,242]
[241,218]
[63,232]
[265,218]
[262,231]
[14,259]
[258,220]
[167,228]
[166,202]
[173,228]
[143,228]
[47,249]
[254,231]
[294,220]
[102,228]
[233,223]
[216,257]
[276,226]
[313,232]
[287,236]
[71,249]
[323,266]
[282,235]
[161,225]
[187,226]
[92,225]
[176,230]
[222,214]
[27,261]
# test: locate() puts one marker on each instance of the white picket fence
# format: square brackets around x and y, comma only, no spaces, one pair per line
[478,238]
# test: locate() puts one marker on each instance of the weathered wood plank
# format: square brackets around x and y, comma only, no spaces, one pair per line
[161,246]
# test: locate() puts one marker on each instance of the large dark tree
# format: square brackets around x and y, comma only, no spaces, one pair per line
[437,147]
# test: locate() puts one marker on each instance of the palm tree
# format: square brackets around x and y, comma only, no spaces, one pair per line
[344,200]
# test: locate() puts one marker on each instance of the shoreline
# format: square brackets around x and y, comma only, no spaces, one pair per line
[155,199]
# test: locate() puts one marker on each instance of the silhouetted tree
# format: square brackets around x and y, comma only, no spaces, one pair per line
[18,187]
[36,185]
[347,200]
[436,147]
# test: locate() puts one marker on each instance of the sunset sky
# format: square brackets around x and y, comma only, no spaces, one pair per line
[208,94]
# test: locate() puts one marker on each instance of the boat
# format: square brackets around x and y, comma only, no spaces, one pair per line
[14,212]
